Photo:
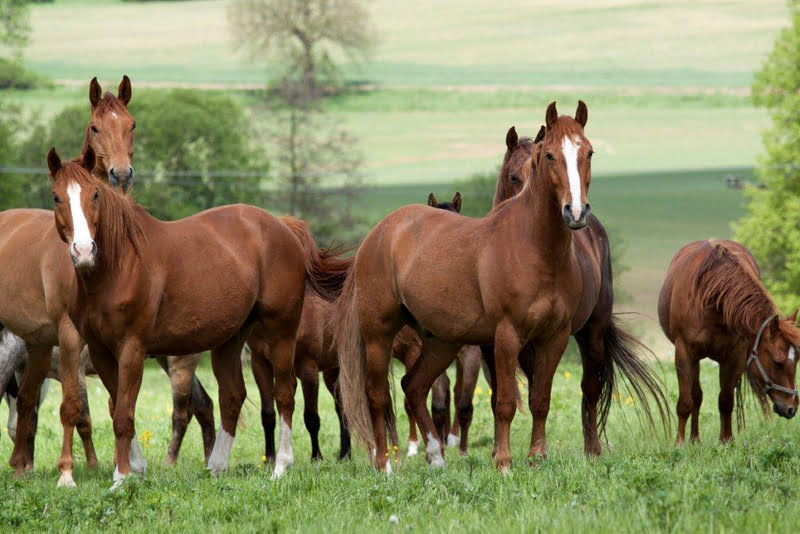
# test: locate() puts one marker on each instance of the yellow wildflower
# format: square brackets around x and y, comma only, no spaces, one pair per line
[478,391]
[629,400]
[145,439]
[567,375]
[263,458]
[489,391]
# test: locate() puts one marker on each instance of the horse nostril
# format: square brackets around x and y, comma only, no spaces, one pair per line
[94,248]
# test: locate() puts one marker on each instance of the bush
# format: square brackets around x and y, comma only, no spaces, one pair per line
[13,75]
[193,151]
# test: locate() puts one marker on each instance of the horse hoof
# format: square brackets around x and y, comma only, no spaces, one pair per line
[413,448]
[118,479]
[66,481]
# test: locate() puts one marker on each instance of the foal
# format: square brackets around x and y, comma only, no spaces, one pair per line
[526,287]
[713,305]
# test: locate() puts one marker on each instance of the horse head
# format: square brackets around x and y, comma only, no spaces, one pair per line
[110,133]
[454,206]
[772,364]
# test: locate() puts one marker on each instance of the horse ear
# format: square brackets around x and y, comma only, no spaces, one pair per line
[432,201]
[540,136]
[551,115]
[125,92]
[793,317]
[95,92]
[89,159]
[457,202]
[512,139]
[582,113]
[53,162]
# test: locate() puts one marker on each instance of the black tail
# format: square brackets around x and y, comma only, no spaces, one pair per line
[621,354]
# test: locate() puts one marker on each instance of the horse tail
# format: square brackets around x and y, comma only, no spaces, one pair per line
[326,269]
[621,354]
[352,366]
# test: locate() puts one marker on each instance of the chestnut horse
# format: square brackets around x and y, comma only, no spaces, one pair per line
[36,280]
[144,286]
[109,133]
[713,305]
[530,286]
[605,347]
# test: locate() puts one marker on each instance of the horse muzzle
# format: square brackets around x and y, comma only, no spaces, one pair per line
[121,178]
[83,254]
[575,217]
[786,411]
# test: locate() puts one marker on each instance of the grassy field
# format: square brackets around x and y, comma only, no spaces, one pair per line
[643,484]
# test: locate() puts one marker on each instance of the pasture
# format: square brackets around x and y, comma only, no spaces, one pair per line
[644,483]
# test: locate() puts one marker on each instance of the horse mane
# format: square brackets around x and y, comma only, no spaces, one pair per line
[119,222]
[725,285]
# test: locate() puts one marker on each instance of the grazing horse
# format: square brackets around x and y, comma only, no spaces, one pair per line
[47,280]
[143,286]
[604,346]
[531,286]
[713,305]
[37,278]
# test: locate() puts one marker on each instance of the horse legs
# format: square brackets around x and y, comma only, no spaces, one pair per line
[436,356]
[331,376]
[262,372]
[226,362]
[202,406]
[440,406]
[548,355]
[729,375]
[32,379]
[506,351]
[130,369]
[377,349]
[452,438]
[181,381]
[470,367]
[413,439]
[688,371]
[282,351]
[592,349]
[308,373]
[84,423]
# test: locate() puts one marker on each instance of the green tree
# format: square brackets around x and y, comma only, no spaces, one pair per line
[771,226]
[15,28]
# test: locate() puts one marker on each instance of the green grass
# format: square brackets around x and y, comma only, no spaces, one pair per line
[644,483]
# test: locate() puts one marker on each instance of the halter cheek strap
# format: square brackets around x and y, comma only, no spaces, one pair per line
[753,357]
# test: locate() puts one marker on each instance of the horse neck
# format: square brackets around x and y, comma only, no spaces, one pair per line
[540,214]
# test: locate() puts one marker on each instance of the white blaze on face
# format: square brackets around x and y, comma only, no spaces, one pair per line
[569,146]
[82,243]
[113,115]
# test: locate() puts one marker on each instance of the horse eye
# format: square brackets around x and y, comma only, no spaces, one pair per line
[514,179]
[590,154]
[549,156]
[56,200]
[133,127]
[96,195]
[94,129]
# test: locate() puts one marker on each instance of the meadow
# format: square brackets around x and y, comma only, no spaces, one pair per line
[670,119]
[642,482]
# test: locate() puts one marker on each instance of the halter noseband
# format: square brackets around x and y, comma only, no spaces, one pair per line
[753,357]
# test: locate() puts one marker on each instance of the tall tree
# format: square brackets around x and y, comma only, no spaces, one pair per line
[771,226]
[316,161]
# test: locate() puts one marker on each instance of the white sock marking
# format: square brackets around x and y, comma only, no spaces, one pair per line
[118,479]
[413,448]
[285,457]
[137,462]
[218,461]
[569,146]
[66,480]
[434,450]
[453,441]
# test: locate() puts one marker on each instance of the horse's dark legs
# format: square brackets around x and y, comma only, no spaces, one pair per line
[730,373]
[262,372]
[697,400]
[226,362]
[687,370]
[592,349]
[331,376]
[548,355]
[440,406]
[35,373]
[435,358]
[203,409]
[308,373]
[470,371]
[84,423]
